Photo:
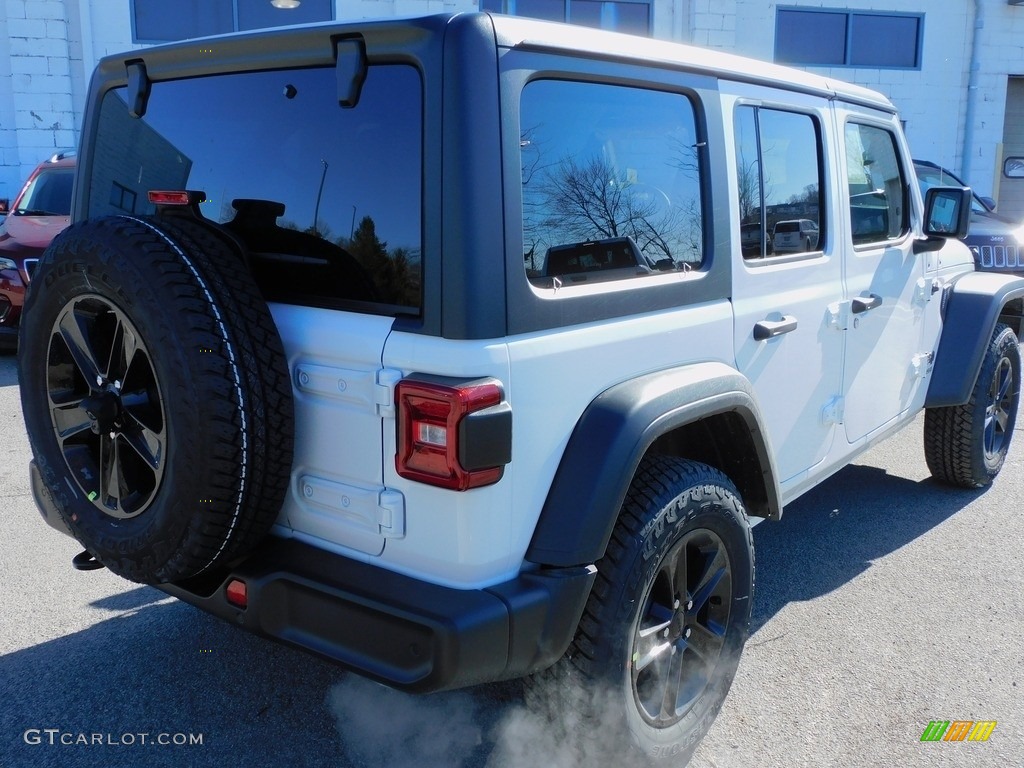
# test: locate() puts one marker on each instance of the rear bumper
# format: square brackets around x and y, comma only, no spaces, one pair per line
[401,631]
[406,633]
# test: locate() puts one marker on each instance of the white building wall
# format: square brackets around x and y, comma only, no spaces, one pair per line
[713,23]
[36,88]
[932,100]
[49,47]
[1002,57]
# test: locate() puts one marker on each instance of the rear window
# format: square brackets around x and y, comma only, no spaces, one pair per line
[608,195]
[328,200]
[787,226]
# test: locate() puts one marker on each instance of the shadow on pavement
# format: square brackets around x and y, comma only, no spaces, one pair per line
[159,666]
[167,668]
[162,667]
[834,532]
[8,369]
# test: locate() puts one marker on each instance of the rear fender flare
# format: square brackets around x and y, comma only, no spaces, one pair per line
[612,436]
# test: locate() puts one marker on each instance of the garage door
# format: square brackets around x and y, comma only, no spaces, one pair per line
[1011,185]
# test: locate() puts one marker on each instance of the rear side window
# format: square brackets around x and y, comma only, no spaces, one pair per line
[327,200]
[611,183]
[779,178]
[878,189]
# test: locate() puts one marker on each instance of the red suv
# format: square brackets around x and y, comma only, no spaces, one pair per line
[41,210]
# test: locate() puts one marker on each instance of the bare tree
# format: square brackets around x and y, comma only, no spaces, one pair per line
[577,201]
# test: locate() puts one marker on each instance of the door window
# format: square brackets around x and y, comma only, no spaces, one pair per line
[779,178]
[878,189]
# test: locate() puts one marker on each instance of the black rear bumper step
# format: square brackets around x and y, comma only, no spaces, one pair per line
[401,631]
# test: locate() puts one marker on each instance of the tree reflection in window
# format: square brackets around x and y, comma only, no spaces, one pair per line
[613,165]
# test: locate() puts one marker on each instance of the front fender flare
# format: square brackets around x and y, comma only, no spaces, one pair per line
[610,439]
[972,310]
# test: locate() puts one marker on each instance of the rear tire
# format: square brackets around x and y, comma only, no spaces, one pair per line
[156,396]
[966,445]
[661,637]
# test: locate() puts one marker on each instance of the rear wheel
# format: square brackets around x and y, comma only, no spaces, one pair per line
[966,445]
[661,637]
[156,396]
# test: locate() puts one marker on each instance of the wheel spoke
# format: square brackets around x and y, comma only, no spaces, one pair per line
[122,352]
[708,581]
[706,643]
[69,419]
[148,444]
[1005,381]
[110,476]
[651,643]
[673,684]
[678,570]
[75,337]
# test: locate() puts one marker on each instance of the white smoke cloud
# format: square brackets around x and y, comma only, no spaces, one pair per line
[390,729]
[484,727]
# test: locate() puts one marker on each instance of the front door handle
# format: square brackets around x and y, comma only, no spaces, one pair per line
[768,329]
[864,303]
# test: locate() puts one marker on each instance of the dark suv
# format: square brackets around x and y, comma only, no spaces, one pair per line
[41,210]
[996,241]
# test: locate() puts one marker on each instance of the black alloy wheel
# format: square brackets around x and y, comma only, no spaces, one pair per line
[106,406]
[681,633]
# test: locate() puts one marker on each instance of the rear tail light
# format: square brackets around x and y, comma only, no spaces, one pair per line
[455,435]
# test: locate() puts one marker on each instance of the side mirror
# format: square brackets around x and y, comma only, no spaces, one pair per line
[947,215]
[947,212]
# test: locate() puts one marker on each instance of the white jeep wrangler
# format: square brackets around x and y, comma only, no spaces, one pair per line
[434,346]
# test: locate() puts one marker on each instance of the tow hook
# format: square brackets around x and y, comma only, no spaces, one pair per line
[86,561]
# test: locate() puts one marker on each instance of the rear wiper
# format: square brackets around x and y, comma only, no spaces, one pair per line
[36,212]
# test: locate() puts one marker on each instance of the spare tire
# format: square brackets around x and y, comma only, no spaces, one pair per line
[156,395]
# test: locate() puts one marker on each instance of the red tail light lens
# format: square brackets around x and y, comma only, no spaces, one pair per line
[452,436]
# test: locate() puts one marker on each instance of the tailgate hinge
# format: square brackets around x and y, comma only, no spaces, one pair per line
[384,391]
[391,514]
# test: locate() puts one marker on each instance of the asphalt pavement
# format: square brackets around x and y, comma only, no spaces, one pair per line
[883,602]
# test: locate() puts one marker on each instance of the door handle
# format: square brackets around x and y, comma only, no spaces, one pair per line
[768,329]
[863,303]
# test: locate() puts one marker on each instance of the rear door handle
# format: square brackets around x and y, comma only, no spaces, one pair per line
[864,303]
[768,329]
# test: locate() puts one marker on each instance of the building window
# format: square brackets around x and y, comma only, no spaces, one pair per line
[122,198]
[631,17]
[157,21]
[848,38]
